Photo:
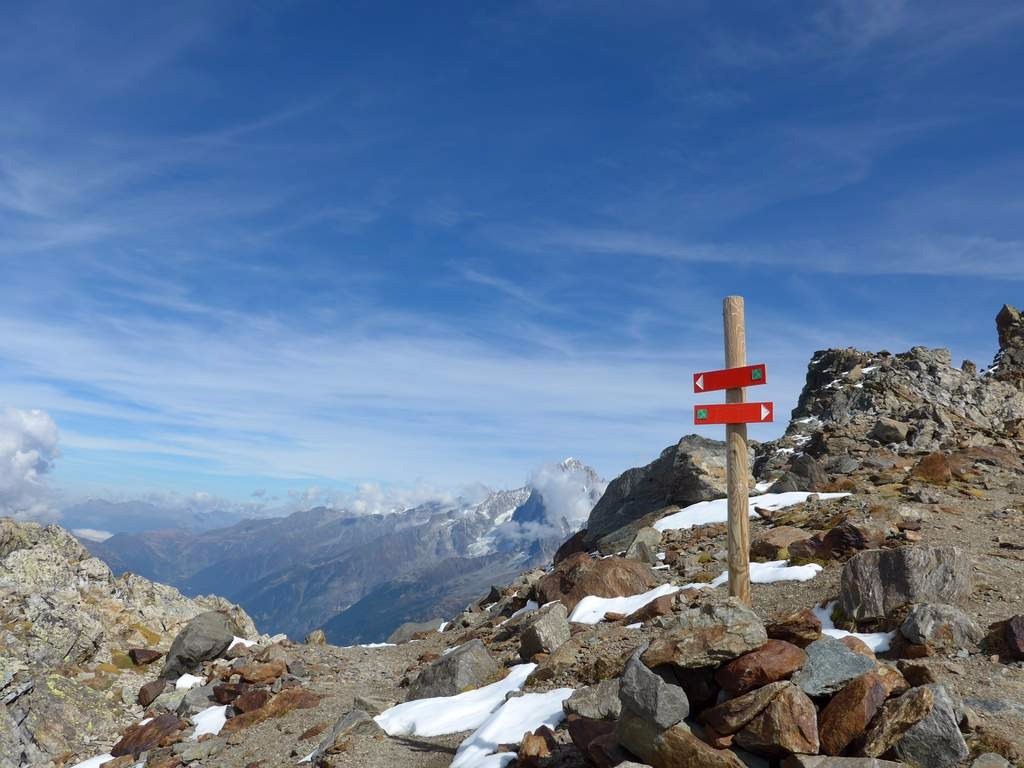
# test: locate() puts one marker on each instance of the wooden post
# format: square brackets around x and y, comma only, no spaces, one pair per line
[736,456]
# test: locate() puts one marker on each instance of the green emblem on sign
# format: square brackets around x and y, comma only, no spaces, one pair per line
[702,413]
[756,374]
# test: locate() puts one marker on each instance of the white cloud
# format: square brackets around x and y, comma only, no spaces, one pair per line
[28,448]
[569,490]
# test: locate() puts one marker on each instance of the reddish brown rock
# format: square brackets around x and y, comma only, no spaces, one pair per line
[534,747]
[800,628]
[857,645]
[773,661]
[1015,636]
[846,716]
[574,545]
[660,606]
[774,543]
[580,575]
[262,674]
[287,700]
[149,691]
[789,724]
[142,738]
[852,535]
[933,468]
[893,680]
[142,656]
[225,693]
[252,699]
[676,747]
[732,714]
[896,718]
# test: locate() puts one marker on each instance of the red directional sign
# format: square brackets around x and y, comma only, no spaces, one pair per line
[734,413]
[730,378]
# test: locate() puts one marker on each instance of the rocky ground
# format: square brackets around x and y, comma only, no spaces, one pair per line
[923,560]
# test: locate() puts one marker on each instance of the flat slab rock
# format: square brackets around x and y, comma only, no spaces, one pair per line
[830,666]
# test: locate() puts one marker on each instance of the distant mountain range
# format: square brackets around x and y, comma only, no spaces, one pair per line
[360,576]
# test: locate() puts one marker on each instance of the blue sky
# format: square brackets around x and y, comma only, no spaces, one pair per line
[265,246]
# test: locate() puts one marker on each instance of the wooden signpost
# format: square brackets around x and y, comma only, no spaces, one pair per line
[735,414]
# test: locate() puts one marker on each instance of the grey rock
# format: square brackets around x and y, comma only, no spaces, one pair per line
[804,474]
[990,760]
[647,695]
[716,631]
[644,546]
[468,666]
[692,470]
[371,704]
[546,629]
[410,629]
[597,702]
[194,751]
[195,700]
[878,582]
[843,465]
[888,430]
[825,761]
[168,701]
[204,638]
[941,626]
[356,722]
[936,741]
[830,666]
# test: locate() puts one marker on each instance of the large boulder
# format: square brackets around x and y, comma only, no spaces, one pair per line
[468,666]
[411,629]
[714,632]
[204,638]
[847,715]
[580,575]
[877,583]
[692,470]
[1009,362]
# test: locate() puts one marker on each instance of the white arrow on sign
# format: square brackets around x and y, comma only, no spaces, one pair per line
[700,382]
[765,412]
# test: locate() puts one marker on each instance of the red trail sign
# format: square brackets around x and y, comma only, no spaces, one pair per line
[734,413]
[730,378]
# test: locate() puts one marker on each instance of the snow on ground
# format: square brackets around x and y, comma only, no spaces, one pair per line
[187,682]
[451,714]
[210,720]
[879,642]
[771,572]
[241,641]
[717,511]
[94,762]
[518,716]
[591,609]
[376,645]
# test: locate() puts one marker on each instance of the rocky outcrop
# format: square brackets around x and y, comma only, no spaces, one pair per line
[692,470]
[66,628]
[854,401]
[580,575]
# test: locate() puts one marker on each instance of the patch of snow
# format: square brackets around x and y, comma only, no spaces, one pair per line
[530,606]
[444,626]
[659,568]
[638,625]
[94,762]
[591,609]
[518,716]
[451,714]
[241,641]
[773,571]
[879,642]
[661,556]
[376,645]
[717,511]
[210,720]
[187,682]
[764,486]
[869,369]
[806,420]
